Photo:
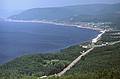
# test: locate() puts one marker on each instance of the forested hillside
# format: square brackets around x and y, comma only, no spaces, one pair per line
[79,12]
[74,14]
[40,64]
[101,63]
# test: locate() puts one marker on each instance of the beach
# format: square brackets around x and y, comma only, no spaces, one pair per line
[55,23]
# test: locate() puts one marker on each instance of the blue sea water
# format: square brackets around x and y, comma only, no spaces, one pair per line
[17,39]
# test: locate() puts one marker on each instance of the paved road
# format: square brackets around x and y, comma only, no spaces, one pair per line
[114,42]
[109,44]
[78,59]
[83,54]
[74,62]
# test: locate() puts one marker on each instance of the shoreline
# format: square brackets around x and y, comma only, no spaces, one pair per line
[94,40]
[96,37]
[55,23]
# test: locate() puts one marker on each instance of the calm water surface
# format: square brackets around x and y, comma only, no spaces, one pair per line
[18,39]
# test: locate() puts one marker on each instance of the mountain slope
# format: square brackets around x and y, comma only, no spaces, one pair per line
[79,12]
[39,64]
[101,63]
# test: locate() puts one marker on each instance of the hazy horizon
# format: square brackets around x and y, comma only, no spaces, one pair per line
[8,7]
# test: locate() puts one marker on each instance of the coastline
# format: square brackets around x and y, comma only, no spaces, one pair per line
[54,23]
[94,40]
[58,24]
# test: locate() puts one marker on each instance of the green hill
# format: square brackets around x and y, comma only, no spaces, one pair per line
[80,12]
[101,63]
[40,64]
[73,14]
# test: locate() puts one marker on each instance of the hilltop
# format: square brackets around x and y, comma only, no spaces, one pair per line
[68,12]
[74,14]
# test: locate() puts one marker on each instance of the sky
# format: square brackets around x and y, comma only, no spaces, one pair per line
[7,6]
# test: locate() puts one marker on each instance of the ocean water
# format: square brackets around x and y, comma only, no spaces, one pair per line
[17,39]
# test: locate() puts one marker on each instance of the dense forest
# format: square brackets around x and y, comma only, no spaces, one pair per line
[75,14]
[101,63]
[111,36]
[40,64]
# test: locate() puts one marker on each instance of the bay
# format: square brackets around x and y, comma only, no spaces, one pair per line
[17,39]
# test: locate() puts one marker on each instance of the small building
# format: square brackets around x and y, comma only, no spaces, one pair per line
[43,77]
[85,47]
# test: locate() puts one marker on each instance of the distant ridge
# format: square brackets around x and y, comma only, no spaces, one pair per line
[85,13]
